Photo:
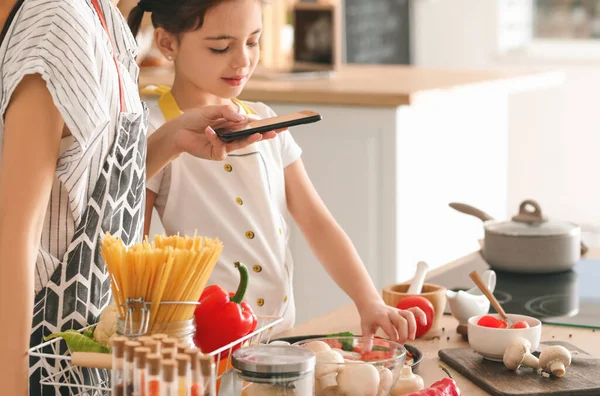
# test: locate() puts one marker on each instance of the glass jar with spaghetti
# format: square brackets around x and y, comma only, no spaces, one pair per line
[157,283]
[182,331]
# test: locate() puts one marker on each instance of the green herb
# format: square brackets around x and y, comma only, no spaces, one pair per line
[347,343]
[78,342]
[89,332]
[380,348]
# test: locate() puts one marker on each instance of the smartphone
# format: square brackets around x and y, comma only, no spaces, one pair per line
[229,134]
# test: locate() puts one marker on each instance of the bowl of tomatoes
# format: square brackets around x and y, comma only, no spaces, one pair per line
[489,335]
[347,365]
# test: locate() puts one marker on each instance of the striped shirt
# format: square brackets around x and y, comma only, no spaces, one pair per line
[64,42]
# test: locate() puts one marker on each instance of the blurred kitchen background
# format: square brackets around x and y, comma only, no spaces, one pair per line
[545,147]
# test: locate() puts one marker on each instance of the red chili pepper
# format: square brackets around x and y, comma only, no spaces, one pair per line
[221,317]
[444,387]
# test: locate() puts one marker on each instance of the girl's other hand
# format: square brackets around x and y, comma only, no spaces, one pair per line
[196,136]
[399,325]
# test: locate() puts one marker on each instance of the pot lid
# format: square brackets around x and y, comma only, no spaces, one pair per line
[531,222]
[274,359]
[546,228]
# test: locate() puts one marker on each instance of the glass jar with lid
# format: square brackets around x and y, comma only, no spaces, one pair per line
[282,370]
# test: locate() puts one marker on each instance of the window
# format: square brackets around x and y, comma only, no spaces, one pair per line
[567,20]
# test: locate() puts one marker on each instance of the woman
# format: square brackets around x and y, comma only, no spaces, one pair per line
[73,164]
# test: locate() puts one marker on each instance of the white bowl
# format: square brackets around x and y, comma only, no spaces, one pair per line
[491,343]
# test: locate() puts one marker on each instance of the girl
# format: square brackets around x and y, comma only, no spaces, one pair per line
[69,108]
[249,196]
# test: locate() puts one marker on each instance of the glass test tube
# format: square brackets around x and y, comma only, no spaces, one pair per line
[118,353]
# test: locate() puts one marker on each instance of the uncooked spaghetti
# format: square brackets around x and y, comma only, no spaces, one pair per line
[171,269]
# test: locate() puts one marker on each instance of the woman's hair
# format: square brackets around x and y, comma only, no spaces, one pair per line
[175,16]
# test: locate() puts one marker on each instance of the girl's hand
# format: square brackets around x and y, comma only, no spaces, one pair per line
[196,136]
[399,325]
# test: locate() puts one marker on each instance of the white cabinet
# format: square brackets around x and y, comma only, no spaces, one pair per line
[468,33]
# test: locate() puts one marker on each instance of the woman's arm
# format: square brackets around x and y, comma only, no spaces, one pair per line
[340,259]
[192,133]
[33,129]
[150,199]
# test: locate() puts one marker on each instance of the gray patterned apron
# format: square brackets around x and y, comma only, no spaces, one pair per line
[80,288]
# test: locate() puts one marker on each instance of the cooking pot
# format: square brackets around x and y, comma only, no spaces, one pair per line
[529,243]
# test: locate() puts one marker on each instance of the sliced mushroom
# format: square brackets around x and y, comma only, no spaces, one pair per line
[518,353]
[555,359]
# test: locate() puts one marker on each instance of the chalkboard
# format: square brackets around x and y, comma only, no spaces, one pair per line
[377,31]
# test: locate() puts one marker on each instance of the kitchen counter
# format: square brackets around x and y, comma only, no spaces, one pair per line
[347,319]
[368,85]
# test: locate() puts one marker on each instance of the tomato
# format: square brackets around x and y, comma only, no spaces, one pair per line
[337,344]
[425,305]
[521,325]
[376,355]
[490,321]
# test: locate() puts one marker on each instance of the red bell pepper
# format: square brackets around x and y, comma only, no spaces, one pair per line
[222,318]
[444,387]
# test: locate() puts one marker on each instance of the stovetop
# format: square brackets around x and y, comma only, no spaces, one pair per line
[569,298]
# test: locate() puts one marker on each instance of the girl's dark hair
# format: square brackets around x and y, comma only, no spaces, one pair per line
[175,16]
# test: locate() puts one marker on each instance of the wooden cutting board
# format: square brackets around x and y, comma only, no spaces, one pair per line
[582,377]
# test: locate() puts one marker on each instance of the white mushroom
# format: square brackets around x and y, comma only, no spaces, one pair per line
[358,380]
[407,382]
[385,381]
[518,353]
[328,364]
[317,346]
[555,359]
[331,391]
[279,343]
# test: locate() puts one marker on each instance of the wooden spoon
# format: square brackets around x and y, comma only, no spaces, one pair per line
[479,282]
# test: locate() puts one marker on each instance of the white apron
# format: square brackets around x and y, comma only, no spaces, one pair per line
[247,217]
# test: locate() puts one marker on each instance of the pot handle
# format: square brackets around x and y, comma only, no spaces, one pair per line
[529,216]
[470,210]
[584,249]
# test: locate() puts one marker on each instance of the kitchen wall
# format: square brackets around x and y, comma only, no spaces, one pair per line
[554,140]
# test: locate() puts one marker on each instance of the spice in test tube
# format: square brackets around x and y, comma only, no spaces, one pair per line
[169,343]
[128,366]
[197,386]
[181,348]
[168,354]
[140,372]
[207,369]
[118,352]
[159,337]
[169,385]
[183,375]
[153,362]
[153,345]
[144,339]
